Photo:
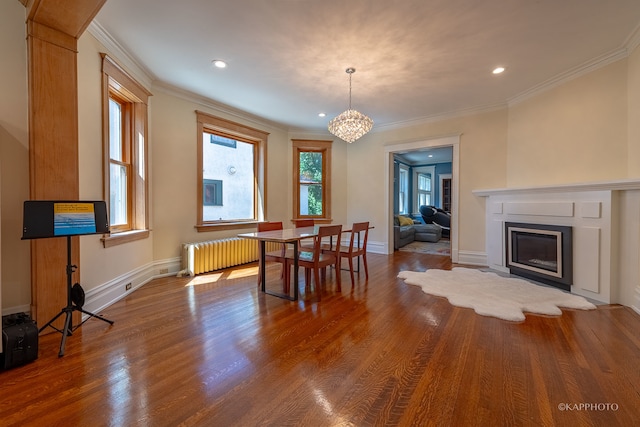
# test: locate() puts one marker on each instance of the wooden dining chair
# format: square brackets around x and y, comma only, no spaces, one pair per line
[272,256]
[357,247]
[304,223]
[318,260]
[299,223]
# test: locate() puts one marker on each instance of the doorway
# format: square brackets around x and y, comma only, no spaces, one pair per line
[452,188]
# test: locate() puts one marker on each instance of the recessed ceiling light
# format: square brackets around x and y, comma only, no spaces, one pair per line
[219,63]
[430,155]
[322,115]
[498,70]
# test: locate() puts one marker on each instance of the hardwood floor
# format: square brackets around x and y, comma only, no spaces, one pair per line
[213,351]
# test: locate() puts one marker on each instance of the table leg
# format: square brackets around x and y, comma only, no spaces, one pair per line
[358,255]
[295,274]
[263,273]
[295,270]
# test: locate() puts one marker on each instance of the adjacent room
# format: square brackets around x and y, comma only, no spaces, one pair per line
[359,213]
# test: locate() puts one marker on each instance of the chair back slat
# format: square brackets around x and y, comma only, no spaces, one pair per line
[334,232]
[270,226]
[303,223]
[356,229]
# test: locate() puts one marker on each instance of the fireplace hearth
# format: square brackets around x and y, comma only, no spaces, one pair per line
[540,252]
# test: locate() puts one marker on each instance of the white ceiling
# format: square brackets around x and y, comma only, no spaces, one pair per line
[415,59]
[426,156]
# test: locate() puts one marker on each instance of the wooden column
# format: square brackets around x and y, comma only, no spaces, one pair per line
[53,29]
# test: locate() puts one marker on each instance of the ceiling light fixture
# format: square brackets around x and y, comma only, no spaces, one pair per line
[498,70]
[351,124]
[219,63]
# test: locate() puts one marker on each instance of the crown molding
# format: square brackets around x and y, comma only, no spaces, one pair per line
[439,117]
[571,74]
[147,77]
[203,101]
[633,41]
[135,68]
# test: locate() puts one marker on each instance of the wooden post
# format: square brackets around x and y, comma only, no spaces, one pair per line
[53,29]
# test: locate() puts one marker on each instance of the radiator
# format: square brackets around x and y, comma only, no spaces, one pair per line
[203,257]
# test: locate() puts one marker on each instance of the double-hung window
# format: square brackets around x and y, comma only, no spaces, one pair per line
[312,179]
[403,189]
[125,154]
[424,189]
[231,173]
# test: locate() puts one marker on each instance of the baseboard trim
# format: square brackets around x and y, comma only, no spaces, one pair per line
[472,258]
[101,297]
[16,309]
[375,247]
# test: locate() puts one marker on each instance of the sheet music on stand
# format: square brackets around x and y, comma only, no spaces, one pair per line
[66,218]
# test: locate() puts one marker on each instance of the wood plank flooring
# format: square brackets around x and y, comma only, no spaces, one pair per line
[213,351]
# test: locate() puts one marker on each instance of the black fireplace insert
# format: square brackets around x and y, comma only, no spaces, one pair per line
[540,252]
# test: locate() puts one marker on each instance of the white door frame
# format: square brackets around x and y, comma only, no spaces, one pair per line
[452,141]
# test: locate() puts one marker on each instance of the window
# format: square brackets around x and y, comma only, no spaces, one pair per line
[424,189]
[125,153]
[230,173]
[403,190]
[312,178]
[212,192]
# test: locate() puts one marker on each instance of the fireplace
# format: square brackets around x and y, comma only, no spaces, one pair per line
[540,252]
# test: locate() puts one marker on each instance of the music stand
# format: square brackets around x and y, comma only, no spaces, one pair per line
[46,219]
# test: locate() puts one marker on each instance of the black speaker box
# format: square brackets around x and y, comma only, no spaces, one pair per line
[19,340]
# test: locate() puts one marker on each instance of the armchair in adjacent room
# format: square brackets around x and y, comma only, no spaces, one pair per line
[433,215]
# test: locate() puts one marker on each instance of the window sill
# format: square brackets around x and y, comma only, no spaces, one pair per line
[315,219]
[203,228]
[109,240]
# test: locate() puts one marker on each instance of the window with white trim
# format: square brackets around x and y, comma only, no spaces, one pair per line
[403,189]
[424,189]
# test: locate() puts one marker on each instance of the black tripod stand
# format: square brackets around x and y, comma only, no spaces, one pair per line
[68,328]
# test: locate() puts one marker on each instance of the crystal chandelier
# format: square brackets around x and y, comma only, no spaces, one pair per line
[351,124]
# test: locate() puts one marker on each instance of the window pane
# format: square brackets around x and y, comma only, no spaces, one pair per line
[228,164]
[115,130]
[310,167]
[310,183]
[212,192]
[311,199]
[403,189]
[424,182]
[118,196]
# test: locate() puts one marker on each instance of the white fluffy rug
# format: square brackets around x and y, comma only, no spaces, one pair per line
[492,295]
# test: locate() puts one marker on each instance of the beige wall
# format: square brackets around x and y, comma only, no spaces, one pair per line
[633,115]
[576,132]
[175,172]
[482,165]
[99,265]
[589,122]
[15,275]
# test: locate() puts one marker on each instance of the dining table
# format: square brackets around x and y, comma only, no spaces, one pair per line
[291,236]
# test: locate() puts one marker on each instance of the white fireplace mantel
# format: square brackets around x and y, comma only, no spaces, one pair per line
[605,218]
[621,185]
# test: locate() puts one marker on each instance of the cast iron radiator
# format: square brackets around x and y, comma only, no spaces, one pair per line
[203,257]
